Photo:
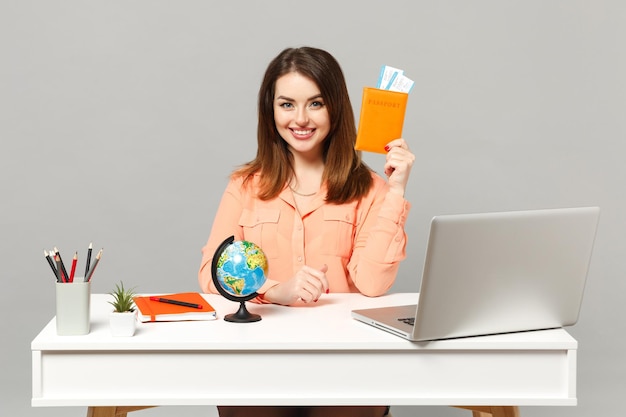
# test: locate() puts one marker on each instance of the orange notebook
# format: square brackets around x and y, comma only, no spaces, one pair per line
[152,310]
[381,120]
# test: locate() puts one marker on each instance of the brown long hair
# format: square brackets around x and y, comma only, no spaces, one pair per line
[346,176]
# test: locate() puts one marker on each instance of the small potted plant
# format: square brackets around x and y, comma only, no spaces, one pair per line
[123,319]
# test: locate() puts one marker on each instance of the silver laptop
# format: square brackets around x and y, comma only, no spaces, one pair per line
[495,273]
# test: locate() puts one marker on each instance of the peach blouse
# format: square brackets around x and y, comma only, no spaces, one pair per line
[362,242]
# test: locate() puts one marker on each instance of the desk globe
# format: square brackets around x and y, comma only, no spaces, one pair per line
[238,270]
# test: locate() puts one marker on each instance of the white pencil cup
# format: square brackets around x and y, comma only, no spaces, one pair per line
[72,307]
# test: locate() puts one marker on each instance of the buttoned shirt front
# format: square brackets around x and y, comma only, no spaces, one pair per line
[361,242]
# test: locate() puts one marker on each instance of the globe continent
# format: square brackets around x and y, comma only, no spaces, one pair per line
[241,268]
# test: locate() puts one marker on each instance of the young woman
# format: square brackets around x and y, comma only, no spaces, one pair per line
[324,219]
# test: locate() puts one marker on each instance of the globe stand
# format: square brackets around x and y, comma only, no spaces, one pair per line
[242,315]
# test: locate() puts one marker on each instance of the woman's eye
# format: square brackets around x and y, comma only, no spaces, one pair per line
[317,104]
[286,105]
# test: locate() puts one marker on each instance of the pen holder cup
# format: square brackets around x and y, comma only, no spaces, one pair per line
[72,307]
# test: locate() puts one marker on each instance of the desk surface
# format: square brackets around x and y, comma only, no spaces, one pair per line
[317,355]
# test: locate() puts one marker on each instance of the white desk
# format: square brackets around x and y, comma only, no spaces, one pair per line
[318,355]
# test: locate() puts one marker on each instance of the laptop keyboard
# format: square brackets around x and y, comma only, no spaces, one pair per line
[408,320]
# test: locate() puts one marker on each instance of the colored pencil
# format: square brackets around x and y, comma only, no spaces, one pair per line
[88,264]
[93,267]
[66,277]
[73,270]
[51,263]
[60,277]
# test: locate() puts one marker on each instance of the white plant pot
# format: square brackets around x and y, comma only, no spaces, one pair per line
[123,324]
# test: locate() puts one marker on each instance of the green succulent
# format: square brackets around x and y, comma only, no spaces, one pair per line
[122,298]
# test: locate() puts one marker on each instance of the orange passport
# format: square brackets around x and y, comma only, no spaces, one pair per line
[151,310]
[381,120]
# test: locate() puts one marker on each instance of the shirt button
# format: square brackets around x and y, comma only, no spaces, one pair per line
[299,258]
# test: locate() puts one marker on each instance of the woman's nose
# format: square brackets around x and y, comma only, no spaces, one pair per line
[302,118]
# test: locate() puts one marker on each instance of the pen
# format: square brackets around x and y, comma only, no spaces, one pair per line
[88,264]
[73,270]
[178,303]
[51,263]
[93,267]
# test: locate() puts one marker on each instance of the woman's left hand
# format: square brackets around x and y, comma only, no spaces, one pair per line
[398,165]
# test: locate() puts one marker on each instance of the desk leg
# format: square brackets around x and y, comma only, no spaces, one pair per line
[112,411]
[496,411]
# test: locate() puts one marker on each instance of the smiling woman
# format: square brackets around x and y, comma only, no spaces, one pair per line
[300,115]
[302,121]
[325,220]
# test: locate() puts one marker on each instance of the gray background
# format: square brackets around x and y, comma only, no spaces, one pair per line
[121,120]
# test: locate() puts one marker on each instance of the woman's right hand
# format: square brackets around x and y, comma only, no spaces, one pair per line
[307,285]
[398,165]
